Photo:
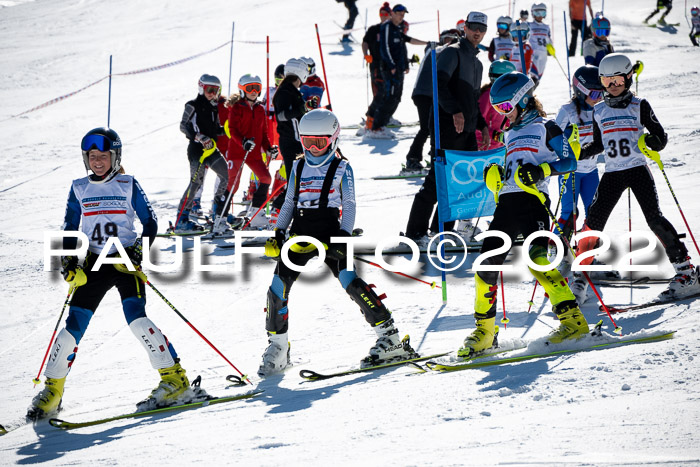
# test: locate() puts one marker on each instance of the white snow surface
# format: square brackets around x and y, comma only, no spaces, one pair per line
[635,405]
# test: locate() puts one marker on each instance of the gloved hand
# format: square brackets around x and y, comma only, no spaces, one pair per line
[368,58]
[248,144]
[338,251]
[273,245]
[498,136]
[531,173]
[312,103]
[551,51]
[204,141]
[135,252]
[415,59]
[653,142]
[572,134]
[273,152]
[72,273]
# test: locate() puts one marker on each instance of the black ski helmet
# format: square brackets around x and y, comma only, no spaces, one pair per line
[586,80]
[279,71]
[102,139]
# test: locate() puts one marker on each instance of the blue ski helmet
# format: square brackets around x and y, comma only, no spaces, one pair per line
[500,67]
[102,139]
[600,27]
[513,88]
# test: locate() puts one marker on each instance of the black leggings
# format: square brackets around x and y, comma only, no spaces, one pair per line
[640,181]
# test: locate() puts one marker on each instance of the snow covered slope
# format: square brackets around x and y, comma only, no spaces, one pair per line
[628,406]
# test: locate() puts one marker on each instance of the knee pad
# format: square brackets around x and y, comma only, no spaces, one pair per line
[486,294]
[370,304]
[62,355]
[160,352]
[134,308]
[77,322]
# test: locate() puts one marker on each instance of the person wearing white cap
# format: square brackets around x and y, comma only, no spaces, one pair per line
[459,73]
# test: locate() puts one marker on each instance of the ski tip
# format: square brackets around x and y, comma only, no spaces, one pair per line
[310,375]
[58,423]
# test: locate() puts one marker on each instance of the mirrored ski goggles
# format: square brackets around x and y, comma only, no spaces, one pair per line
[316,142]
[602,32]
[595,95]
[252,87]
[503,108]
[503,26]
[211,89]
[99,142]
[476,27]
[539,13]
[608,81]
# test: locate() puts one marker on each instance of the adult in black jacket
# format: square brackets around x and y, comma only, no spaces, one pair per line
[459,74]
[200,123]
[370,49]
[289,108]
[392,46]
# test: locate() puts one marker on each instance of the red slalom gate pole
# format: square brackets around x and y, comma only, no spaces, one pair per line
[323,66]
[432,285]
[267,83]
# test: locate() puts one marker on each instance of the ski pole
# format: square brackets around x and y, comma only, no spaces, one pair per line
[561,68]
[205,154]
[323,66]
[230,193]
[534,191]
[69,297]
[432,285]
[269,198]
[654,155]
[141,275]
[504,320]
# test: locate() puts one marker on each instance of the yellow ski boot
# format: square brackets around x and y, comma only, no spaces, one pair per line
[482,338]
[173,384]
[573,324]
[48,401]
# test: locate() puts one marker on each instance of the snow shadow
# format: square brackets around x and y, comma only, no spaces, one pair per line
[284,400]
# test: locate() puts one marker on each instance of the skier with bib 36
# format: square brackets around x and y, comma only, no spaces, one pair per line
[619,124]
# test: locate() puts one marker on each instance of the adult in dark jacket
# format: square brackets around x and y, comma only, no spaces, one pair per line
[289,108]
[459,73]
[370,49]
[200,123]
[392,46]
[422,97]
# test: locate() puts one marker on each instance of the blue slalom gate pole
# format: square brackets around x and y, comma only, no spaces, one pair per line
[230,61]
[566,47]
[109,95]
[438,160]
[522,51]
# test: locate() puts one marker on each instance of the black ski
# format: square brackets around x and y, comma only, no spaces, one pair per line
[623,308]
[313,376]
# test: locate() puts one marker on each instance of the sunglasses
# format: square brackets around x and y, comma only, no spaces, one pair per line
[602,32]
[318,143]
[211,89]
[252,87]
[503,108]
[98,142]
[476,27]
[608,81]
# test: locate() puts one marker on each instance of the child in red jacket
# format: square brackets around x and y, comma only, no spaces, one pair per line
[248,133]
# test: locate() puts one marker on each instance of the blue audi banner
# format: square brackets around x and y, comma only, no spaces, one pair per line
[461,191]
